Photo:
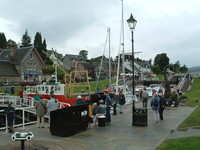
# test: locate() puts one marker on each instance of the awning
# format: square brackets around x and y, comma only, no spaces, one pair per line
[32,72]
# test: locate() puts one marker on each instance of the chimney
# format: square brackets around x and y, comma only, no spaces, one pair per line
[13,50]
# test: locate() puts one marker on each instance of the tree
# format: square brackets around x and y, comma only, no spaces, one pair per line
[84,53]
[97,59]
[155,69]
[11,43]
[176,67]
[46,58]
[184,69]
[161,60]
[38,43]
[26,39]
[2,40]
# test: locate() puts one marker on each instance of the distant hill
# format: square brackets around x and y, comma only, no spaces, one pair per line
[194,69]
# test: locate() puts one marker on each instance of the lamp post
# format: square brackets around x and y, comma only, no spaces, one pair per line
[132,23]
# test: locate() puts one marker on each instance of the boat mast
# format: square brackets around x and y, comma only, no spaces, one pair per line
[109,58]
[100,67]
[122,44]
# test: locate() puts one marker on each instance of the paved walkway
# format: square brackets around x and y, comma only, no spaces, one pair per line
[118,135]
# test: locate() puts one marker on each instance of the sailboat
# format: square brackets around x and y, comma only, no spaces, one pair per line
[126,90]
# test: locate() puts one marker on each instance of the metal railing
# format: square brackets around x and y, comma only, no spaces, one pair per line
[181,83]
[27,106]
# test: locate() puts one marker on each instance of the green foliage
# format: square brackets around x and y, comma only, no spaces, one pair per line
[182,97]
[11,43]
[191,143]
[161,60]
[193,95]
[84,53]
[178,68]
[174,96]
[26,39]
[155,69]
[2,41]
[97,59]
[42,46]
[48,69]
[184,69]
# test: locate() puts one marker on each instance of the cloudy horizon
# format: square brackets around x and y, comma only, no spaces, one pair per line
[166,26]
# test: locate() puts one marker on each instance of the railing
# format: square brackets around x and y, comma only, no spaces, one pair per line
[27,106]
[23,119]
[181,83]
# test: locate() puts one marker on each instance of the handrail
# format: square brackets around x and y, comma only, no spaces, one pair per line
[181,83]
[29,104]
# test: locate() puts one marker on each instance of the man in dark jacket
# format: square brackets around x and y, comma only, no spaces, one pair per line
[108,103]
[122,101]
[162,105]
[79,101]
[10,111]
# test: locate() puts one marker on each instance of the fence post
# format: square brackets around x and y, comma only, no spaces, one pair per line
[23,116]
[6,124]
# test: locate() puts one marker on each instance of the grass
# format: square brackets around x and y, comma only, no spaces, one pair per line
[193,95]
[101,85]
[17,89]
[191,143]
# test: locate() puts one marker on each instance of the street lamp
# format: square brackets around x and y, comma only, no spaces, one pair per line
[132,23]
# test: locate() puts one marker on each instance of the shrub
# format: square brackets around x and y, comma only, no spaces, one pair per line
[182,97]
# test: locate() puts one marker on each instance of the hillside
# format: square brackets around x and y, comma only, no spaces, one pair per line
[194,69]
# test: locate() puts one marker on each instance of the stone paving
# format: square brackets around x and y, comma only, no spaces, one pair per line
[117,135]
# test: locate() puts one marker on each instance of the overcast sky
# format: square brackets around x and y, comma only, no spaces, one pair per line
[163,26]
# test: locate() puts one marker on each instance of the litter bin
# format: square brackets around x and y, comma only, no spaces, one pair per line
[140,117]
[101,121]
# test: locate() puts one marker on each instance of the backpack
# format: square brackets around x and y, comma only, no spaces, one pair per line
[155,103]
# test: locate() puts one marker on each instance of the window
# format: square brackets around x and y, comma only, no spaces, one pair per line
[27,66]
[31,56]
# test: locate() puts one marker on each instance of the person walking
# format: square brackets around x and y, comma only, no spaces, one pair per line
[108,104]
[145,96]
[41,110]
[155,104]
[10,112]
[52,105]
[122,101]
[115,102]
[162,105]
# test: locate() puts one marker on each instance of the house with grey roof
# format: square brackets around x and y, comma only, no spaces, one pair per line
[105,68]
[81,67]
[53,55]
[69,59]
[20,65]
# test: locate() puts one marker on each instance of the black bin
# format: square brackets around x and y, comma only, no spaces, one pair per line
[140,117]
[68,121]
[101,121]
